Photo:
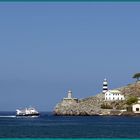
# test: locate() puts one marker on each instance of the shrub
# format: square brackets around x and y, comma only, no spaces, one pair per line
[106,106]
[131,100]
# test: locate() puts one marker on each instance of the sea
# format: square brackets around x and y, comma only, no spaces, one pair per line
[49,126]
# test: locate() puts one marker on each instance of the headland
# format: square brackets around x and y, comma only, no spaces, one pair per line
[120,101]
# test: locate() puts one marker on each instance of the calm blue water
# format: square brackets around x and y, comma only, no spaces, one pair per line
[49,126]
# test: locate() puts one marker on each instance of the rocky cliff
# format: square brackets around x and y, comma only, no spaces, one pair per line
[94,105]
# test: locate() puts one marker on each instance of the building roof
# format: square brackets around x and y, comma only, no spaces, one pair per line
[135,104]
[114,91]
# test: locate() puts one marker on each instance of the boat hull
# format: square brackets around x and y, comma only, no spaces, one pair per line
[30,115]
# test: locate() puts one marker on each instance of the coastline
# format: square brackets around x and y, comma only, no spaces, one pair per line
[97,105]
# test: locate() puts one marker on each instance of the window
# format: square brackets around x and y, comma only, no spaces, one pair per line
[137,109]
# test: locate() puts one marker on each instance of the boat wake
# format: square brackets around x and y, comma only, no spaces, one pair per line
[8,116]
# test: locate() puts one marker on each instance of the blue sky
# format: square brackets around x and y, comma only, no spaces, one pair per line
[48,48]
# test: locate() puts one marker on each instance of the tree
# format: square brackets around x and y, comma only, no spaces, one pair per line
[137,76]
[131,100]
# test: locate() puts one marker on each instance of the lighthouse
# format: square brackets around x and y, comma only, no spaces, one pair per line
[69,99]
[69,94]
[105,86]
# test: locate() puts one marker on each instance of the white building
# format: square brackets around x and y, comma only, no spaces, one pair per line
[136,108]
[112,95]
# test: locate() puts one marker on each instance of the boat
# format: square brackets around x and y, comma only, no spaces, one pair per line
[27,112]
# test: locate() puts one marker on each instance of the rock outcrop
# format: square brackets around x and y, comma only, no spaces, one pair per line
[93,105]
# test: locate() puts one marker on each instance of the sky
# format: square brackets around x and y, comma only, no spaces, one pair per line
[48,48]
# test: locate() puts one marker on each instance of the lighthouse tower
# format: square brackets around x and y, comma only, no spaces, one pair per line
[69,99]
[69,94]
[105,86]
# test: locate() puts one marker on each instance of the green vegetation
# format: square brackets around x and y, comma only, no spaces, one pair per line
[131,100]
[137,76]
[106,106]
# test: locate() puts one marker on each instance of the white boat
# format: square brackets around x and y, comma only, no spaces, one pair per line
[27,112]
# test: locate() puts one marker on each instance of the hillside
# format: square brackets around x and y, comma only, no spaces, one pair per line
[131,89]
[92,105]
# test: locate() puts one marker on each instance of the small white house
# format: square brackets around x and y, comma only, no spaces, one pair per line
[136,108]
[113,95]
